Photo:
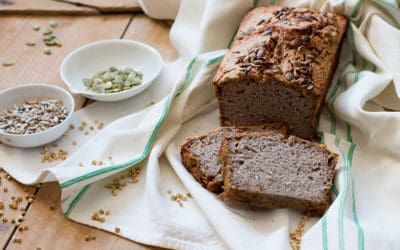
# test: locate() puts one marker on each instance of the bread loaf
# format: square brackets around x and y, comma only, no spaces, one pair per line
[279,67]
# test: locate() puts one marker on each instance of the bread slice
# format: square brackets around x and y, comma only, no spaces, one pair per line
[200,154]
[270,170]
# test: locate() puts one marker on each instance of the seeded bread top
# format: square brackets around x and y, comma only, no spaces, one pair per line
[295,46]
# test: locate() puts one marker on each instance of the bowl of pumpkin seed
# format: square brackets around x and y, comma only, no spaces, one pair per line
[111,70]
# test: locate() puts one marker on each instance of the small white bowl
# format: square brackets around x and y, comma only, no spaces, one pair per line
[17,95]
[86,61]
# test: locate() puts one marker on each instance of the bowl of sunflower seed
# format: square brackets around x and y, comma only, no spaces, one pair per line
[32,115]
[111,70]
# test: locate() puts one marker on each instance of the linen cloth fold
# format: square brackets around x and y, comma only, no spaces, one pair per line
[355,123]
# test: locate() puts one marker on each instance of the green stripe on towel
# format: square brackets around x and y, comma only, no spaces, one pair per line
[152,137]
[76,199]
[147,147]
[130,162]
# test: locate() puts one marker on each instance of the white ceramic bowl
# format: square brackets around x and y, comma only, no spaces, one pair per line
[17,95]
[86,61]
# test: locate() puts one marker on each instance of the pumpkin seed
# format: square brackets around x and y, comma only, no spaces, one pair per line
[47,31]
[8,63]
[113,80]
[36,27]
[30,43]
[47,51]
[53,24]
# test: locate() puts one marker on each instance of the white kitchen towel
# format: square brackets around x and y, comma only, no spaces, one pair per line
[356,123]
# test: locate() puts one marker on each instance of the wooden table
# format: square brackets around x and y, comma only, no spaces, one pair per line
[78,25]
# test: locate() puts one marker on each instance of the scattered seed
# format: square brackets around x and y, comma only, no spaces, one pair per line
[80,164]
[47,31]
[36,27]
[117,230]
[108,212]
[53,207]
[5,190]
[74,143]
[53,24]
[96,216]
[13,206]
[17,240]
[30,43]
[179,198]
[8,63]
[47,51]
[150,104]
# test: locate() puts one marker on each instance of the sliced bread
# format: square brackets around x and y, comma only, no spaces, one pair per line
[273,171]
[200,154]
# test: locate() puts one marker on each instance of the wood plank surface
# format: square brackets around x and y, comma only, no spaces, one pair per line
[108,6]
[31,64]
[49,229]
[154,33]
[8,189]
[44,7]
